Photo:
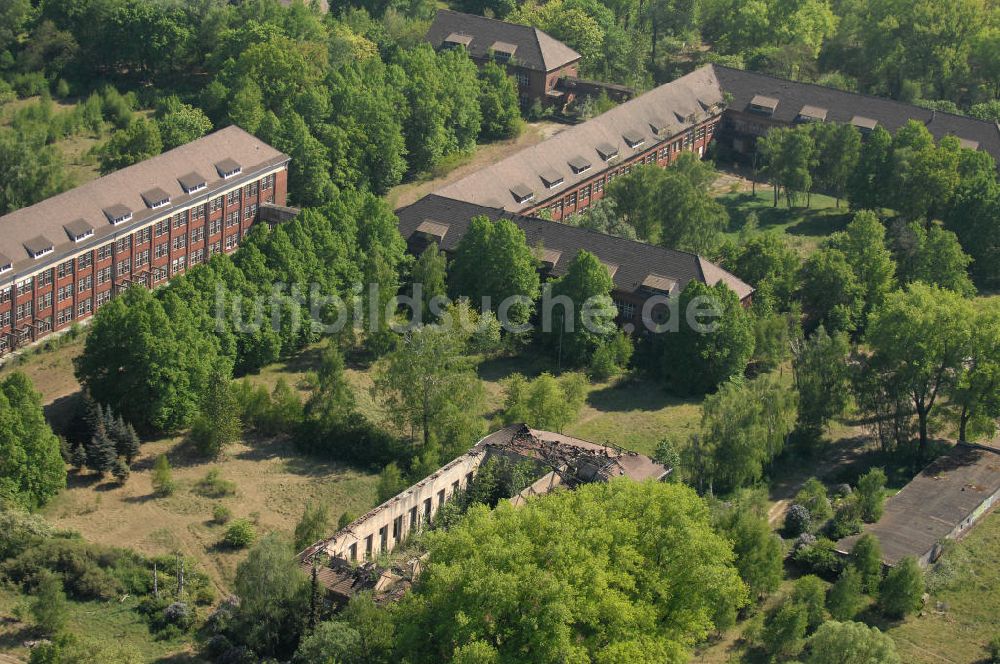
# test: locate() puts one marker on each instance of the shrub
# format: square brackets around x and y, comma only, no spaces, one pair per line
[221,514]
[821,558]
[180,615]
[902,590]
[810,593]
[870,496]
[846,520]
[844,599]
[993,649]
[240,534]
[120,471]
[163,481]
[866,557]
[797,521]
[813,497]
[213,486]
[785,630]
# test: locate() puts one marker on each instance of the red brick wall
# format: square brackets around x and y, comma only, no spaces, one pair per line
[144,274]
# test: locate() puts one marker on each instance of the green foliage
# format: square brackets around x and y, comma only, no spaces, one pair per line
[313,525]
[713,341]
[273,597]
[30,170]
[213,486]
[180,123]
[493,260]
[430,272]
[49,605]
[870,494]
[488,567]
[581,316]
[546,402]
[499,103]
[138,142]
[822,381]
[820,557]
[863,244]
[768,262]
[845,599]
[759,552]
[902,590]
[390,482]
[785,630]
[417,384]
[218,423]
[668,456]
[846,518]
[830,292]
[809,592]
[919,340]
[797,520]
[162,479]
[866,558]
[850,643]
[813,496]
[221,514]
[32,470]
[240,534]
[611,357]
[933,255]
[789,156]
[743,428]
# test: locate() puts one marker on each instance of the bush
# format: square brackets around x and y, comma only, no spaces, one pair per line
[813,497]
[163,481]
[902,590]
[240,534]
[785,630]
[993,649]
[797,521]
[611,357]
[221,514]
[846,520]
[213,486]
[870,495]
[821,558]
[120,471]
[866,557]
[844,599]
[180,615]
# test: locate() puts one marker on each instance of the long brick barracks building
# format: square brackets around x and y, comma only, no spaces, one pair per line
[566,173]
[64,257]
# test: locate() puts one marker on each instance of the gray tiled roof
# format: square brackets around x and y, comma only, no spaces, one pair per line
[120,192]
[190,181]
[155,195]
[533,48]
[635,261]
[592,140]
[843,106]
[78,228]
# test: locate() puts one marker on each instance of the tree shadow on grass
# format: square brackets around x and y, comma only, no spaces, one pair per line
[498,368]
[817,224]
[635,395]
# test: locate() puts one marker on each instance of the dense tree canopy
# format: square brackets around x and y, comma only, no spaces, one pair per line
[597,583]
[32,470]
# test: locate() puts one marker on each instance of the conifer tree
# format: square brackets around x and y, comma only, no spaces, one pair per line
[79,457]
[102,455]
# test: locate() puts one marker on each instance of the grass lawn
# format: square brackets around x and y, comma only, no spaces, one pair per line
[804,227]
[963,612]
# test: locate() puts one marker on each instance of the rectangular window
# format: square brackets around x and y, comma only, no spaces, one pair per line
[197,256]
[198,212]
[5,295]
[180,219]
[572,199]
[198,234]
[24,310]
[230,242]
[250,189]
[5,318]
[123,244]
[161,250]
[123,267]
[232,218]
[24,287]
[84,261]
[215,205]
[178,264]
[233,197]
[45,324]
[104,253]
[103,275]
[179,242]
[84,284]
[142,258]
[599,186]
[142,236]
[585,193]
[250,211]
[103,298]
[214,226]
[267,182]
[83,308]
[64,316]
[522,80]
[162,227]
[65,269]
[64,293]
[214,248]
[44,301]
[44,278]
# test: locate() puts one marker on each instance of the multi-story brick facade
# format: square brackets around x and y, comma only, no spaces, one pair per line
[534,59]
[62,258]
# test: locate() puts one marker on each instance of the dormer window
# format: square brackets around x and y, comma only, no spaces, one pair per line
[522,193]
[502,51]
[5,264]
[811,114]
[763,105]
[118,214]
[227,168]
[432,230]
[579,165]
[191,183]
[78,230]
[634,139]
[156,198]
[659,283]
[551,178]
[659,126]
[968,144]
[550,257]
[38,246]
[455,39]
[863,124]
[607,151]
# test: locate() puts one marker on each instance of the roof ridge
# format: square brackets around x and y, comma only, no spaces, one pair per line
[487,18]
[888,100]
